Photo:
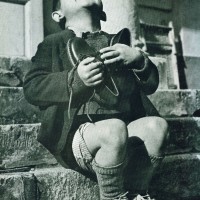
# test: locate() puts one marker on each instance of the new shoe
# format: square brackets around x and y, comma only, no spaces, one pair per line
[146,197]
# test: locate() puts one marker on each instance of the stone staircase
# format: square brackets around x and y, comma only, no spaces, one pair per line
[29,172]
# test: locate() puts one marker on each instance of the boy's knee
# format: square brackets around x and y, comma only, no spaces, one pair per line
[160,126]
[115,134]
[163,129]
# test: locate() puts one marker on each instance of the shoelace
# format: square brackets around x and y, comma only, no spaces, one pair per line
[146,197]
[114,93]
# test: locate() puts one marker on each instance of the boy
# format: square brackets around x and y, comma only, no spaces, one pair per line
[119,142]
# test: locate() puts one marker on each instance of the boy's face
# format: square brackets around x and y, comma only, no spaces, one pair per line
[70,7]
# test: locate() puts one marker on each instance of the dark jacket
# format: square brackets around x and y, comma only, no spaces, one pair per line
[47,85]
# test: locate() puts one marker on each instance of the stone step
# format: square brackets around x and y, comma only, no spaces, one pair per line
[14,109]
[13,70]
[19,147]
[177,179]
[184,135]
[48,184]
[176,102]
[18,186]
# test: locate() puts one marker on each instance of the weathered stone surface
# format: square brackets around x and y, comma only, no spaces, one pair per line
[20,66]
[19,147]
[170,103]
[178,178]
[15,109]
[198,99]
[13,70]
[65,184]
[184,135]
[174,181]
[4,63]
[9,78]
[48,184]
[176,102]
[18,187]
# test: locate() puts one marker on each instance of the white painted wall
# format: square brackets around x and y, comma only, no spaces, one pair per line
[189,15]
[12,29]
[120,14]
[21,27]
[191,42]
[187,25]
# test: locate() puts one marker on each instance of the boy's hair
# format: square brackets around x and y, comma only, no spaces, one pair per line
[56,5]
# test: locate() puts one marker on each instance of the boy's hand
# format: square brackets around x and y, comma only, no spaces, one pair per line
[90,72]
[122,54]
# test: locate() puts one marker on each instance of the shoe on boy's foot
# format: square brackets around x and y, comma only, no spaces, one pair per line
[146,197]
[122,197]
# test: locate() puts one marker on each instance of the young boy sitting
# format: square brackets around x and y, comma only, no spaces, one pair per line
[120,145]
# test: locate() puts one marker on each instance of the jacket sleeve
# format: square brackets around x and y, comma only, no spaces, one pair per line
[42,86]
[147,76]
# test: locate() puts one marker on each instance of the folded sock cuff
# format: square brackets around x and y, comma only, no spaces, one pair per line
[109,170]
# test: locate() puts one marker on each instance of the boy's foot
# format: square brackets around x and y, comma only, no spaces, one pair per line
[146,197]
[122,197]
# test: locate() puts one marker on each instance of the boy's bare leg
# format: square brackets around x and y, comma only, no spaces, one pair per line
[107,141]
[150,133]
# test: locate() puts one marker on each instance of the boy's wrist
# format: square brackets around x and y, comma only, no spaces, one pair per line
[139,62]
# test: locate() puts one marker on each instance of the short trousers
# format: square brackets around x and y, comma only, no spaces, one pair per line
[81,153]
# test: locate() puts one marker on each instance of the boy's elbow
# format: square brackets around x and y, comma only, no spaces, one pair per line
[151,84]
[30,94]
[150,88]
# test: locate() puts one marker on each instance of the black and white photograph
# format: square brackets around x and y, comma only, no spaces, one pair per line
[99,100]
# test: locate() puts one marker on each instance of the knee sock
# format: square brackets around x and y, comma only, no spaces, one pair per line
[140,168]
[110,180]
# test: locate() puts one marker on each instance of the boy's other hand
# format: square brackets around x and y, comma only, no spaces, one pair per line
[122,54]
[90,71]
